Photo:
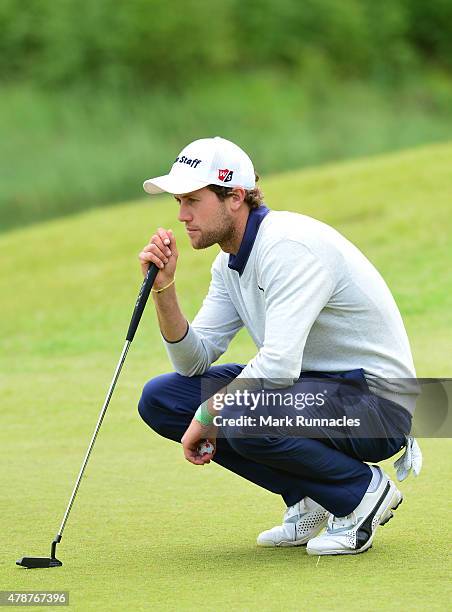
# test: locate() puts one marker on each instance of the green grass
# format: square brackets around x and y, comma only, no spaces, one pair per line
[64,151]
[148,530]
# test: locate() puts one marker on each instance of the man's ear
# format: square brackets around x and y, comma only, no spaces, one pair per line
[237,196]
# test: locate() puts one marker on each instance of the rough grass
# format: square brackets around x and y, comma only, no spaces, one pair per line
[148,530]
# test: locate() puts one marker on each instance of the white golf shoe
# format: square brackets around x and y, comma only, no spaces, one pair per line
[354,533]
[301,522]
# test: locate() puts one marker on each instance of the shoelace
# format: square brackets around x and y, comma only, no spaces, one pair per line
[338,522]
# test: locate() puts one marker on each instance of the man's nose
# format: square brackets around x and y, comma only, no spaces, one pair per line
[184,213]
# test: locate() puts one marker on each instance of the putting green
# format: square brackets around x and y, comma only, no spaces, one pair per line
[148,530]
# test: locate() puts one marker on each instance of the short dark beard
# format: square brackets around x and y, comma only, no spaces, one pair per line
[224,234]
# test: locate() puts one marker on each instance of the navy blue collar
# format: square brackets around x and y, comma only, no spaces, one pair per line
[255,218]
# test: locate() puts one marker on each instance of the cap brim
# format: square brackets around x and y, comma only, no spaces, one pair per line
[172,184]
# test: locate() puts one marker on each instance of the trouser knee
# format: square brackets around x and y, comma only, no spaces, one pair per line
[150,406]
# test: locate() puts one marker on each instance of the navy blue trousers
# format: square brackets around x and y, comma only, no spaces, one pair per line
[329,470]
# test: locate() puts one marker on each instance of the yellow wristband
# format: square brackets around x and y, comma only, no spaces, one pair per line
[163,288]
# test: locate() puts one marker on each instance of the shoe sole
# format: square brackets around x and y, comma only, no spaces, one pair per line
[283,544]
[389,514]
[382,515]
[291,544]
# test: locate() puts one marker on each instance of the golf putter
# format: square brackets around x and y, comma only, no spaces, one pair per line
[52,561]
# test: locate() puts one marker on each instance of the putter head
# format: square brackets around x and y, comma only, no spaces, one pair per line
[33,562]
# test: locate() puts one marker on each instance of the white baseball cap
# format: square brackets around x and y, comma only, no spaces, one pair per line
[205,162]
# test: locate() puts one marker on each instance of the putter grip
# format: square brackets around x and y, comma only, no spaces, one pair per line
[141,301]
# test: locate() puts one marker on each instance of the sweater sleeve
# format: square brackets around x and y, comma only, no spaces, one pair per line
[211,331]
[297,286]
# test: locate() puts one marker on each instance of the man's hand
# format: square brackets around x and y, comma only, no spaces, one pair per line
[193,437]
[162,251]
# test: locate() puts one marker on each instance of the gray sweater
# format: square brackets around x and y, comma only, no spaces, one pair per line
[311,301]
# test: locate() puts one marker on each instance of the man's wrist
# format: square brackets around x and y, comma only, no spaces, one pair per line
[203,416]
[156,290]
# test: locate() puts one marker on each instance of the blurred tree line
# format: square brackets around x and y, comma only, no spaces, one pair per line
[150,42]
[99,94]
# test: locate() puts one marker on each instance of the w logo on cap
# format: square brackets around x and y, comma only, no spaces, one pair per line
[225,175]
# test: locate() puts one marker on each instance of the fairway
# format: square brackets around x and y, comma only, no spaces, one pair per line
[149,531]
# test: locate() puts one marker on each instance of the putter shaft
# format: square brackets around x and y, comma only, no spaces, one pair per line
[91,444]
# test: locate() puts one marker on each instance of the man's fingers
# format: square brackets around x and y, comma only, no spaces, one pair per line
[156,250]
[153,255]
[159,241]
[160,250]
[193,457]
[191,454]
[172,244]
[165,239]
